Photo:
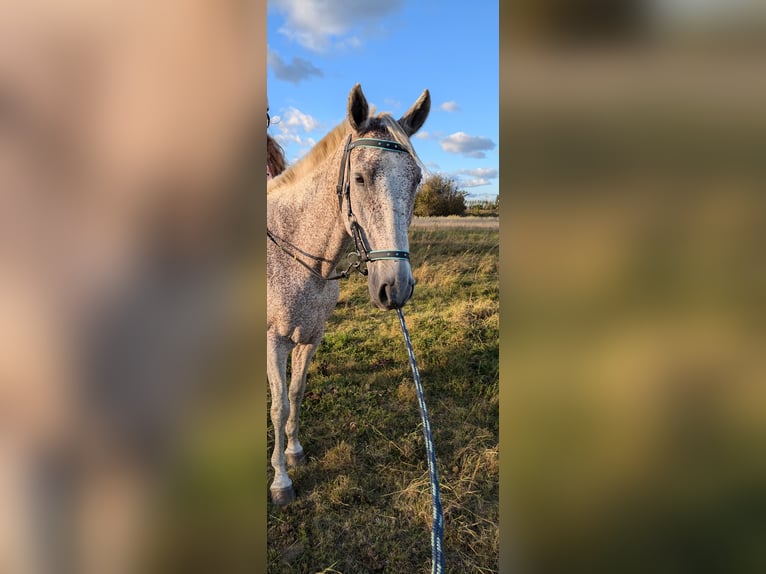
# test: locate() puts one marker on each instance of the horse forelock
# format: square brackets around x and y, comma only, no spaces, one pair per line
[397,133]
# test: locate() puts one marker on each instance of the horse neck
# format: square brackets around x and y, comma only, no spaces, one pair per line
[306,213]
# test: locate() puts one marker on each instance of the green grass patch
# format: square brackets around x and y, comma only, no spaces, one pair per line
[363,501]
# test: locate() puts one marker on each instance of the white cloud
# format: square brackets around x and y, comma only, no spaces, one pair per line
[303,144]
[286,138]
[426,135]
[479,172]
[293,118]
[316,24]
[294,72]
[476,177]
[474,182]
[467,145]
[293,127]
[451,106]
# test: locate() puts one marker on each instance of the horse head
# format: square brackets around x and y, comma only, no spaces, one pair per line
[383,174]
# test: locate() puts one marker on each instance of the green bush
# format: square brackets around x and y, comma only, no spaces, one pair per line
[439,196]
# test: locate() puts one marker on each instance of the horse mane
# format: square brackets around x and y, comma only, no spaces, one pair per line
[314,157]
[330,142]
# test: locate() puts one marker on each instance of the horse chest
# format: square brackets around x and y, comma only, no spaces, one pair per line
[301,311]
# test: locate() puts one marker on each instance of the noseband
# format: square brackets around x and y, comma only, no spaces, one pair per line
[363,253]
[343,189]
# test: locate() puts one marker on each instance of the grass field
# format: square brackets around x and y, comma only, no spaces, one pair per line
[363,502]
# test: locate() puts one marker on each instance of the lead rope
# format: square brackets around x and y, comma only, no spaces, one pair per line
[437,528]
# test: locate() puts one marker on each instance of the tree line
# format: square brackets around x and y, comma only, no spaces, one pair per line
[440,196]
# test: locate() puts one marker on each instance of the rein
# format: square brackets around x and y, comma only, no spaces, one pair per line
[437,522]
[363,254]
[343,190]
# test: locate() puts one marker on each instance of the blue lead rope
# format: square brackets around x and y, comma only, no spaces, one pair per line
[437,529]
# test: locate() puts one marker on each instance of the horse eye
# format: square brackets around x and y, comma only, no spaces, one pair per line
[359,179]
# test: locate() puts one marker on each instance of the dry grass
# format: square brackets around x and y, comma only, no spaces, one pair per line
[364,501]
[452,222]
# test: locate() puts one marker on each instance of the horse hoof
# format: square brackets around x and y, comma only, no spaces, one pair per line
[297,459]
[282,496]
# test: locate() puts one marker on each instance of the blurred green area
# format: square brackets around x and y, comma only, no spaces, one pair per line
[633,303]
[210,513]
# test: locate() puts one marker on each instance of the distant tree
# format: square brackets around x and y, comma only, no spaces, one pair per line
[439,196]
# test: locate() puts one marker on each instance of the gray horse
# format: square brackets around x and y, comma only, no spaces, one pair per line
[356,187]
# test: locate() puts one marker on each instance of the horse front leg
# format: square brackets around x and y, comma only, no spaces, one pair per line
[282,491]
[302,355]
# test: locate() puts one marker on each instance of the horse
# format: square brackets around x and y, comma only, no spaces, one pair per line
[127,131]
[356,186]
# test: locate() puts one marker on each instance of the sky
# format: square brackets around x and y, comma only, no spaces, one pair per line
[318,50]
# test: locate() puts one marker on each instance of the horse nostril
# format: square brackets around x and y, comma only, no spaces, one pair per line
[383,294]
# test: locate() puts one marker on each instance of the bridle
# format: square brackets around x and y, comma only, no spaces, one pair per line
[362,254]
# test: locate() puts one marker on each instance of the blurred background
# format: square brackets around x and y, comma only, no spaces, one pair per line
[132,291]
[633,320]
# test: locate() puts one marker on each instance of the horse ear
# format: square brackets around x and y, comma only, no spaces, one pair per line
[358,110]
[416,116]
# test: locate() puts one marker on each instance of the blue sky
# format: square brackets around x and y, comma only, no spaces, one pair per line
[318,49]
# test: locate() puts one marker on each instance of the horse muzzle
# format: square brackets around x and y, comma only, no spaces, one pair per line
[390,283]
